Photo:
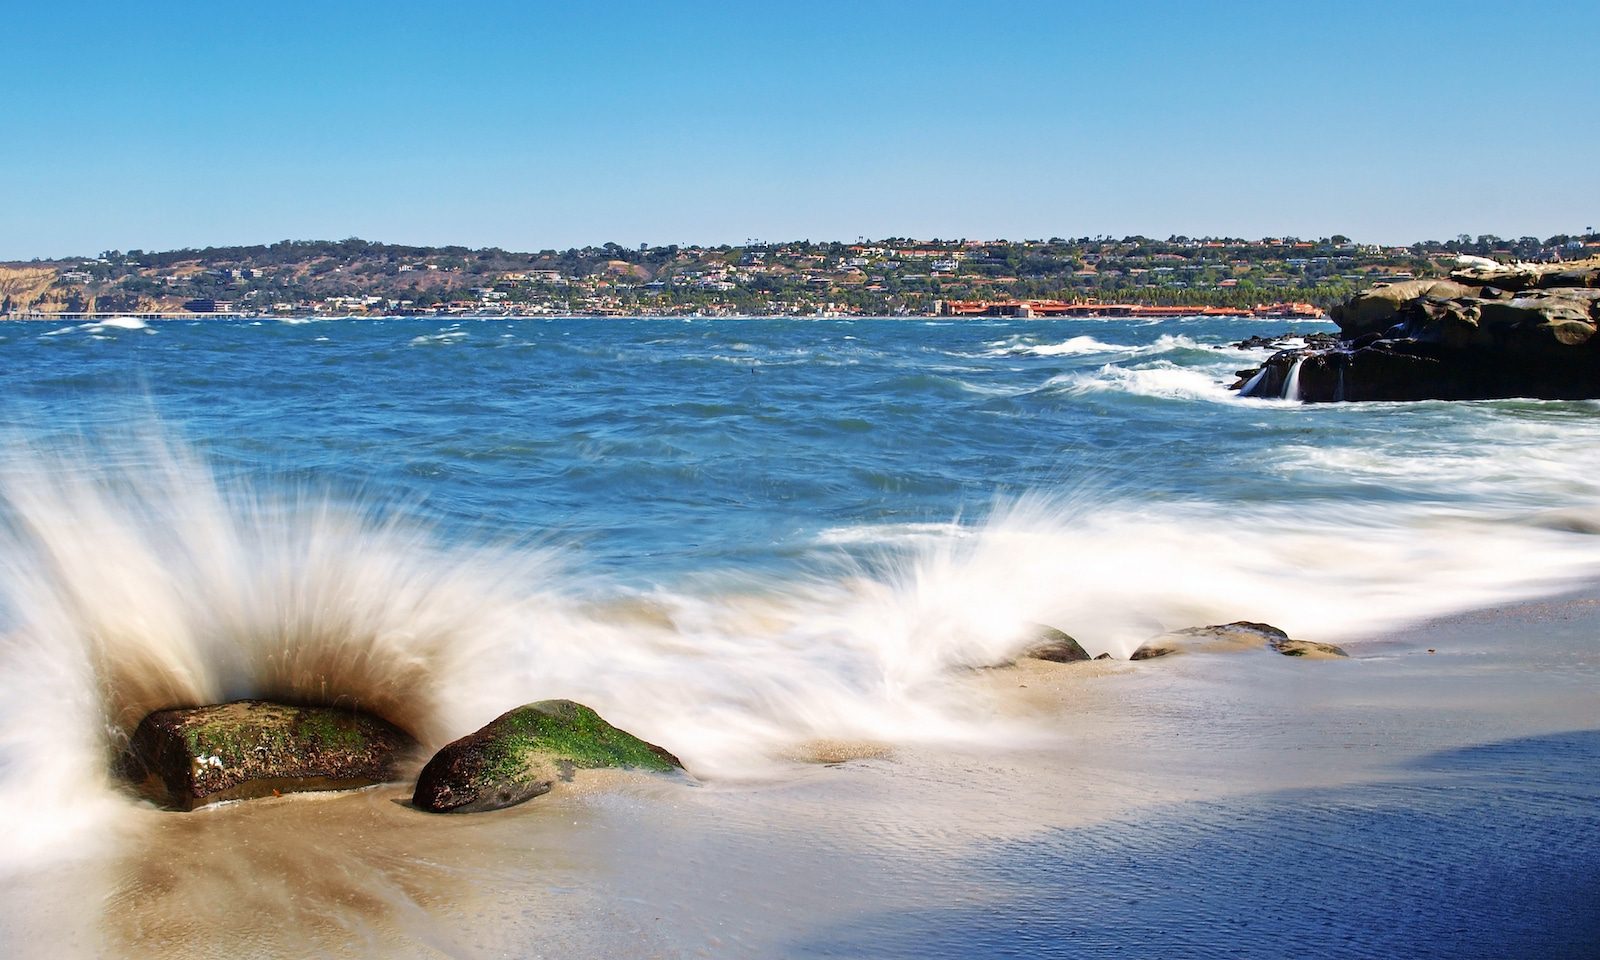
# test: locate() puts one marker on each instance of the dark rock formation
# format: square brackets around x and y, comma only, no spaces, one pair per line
[1053,645]
[1232,637]
[1491,331]
[521,754]
[185,758]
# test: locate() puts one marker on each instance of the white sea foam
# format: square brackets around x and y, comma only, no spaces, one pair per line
[1113,570]
[1068,348]
[899,534]
[1527,464]
[1175,341]
[102,326]
[1159,378]
[1087,345]
[441,338]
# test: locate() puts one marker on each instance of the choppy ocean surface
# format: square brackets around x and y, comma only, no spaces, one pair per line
[666,448]
[734,537]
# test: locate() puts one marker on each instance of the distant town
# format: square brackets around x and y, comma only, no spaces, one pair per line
[893,277]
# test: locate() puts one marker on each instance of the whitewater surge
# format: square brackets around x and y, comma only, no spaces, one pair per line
[133,579]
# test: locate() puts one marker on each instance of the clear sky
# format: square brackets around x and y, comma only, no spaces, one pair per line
[530,125]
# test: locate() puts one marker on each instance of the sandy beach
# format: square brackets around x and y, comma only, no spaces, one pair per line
[1398,803]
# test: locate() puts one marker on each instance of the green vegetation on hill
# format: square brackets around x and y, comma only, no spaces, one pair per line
[895,276]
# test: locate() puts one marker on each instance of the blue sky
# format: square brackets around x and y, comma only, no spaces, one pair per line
[532,125]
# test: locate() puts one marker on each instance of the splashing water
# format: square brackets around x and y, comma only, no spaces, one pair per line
[1249,389]
[134,580]
[1291,383]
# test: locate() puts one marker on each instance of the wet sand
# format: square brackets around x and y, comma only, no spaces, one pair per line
[1399,803]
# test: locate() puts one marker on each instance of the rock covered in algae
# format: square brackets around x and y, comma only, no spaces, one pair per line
[188,757]
[522,753]
[1228,637]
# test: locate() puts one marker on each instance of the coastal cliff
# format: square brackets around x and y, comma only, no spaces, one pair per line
[25,286]
[1490,331]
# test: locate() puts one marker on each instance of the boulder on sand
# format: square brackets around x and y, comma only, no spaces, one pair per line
[522,753]
[1053,645]
[188,757]
[1232,637]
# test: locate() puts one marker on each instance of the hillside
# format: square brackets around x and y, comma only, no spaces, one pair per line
[895,276]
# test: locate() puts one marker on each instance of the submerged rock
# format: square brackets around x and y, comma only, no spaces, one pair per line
[188,757]
[1053,645]
[1231,637]
[522,753]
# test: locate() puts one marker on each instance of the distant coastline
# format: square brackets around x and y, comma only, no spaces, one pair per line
[1098,276]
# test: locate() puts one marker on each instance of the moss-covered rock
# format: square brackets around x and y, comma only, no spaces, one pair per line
[521,754]
[189,757]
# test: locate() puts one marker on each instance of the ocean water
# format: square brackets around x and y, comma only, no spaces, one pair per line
[746,540]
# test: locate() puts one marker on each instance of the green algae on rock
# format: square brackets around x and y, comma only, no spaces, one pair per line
[188,757]
[522,753]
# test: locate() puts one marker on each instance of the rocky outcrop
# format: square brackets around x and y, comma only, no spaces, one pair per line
[185,758]
[523,753]
[1528,276]
[27,288]
[1233,637]
[1491,331]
